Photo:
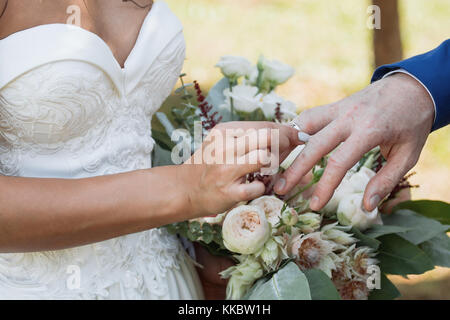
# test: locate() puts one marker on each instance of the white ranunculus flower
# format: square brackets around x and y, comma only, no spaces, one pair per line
[272,100]
[245,229]
[271,206]
[245,98]
[234,67]
[276,72]
[350,212]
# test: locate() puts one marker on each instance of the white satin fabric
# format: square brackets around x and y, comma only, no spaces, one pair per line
[68,110]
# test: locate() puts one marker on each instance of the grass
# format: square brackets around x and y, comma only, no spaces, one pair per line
[329,45]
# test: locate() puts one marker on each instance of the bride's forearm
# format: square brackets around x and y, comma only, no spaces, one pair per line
[49,214]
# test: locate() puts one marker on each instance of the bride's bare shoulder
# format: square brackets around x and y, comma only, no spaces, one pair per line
[21,15]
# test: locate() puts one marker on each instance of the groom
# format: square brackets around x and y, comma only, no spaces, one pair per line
[405,101]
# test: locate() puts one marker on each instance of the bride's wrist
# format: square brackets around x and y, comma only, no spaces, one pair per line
[185,183]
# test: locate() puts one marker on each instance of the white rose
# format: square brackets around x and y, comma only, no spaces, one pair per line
[245,229]
[245,98]
[234,67]
[351,212]
[276,72]
[271,206]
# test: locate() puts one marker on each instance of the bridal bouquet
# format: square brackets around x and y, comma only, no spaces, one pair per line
[283,249]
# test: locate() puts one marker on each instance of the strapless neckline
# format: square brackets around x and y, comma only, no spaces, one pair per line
[46,26]
[33,47]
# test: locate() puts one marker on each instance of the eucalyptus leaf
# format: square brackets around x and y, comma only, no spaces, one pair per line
[321,286]
[437,210]
[215,95]
[164,120]
[438,249]
[423,228]
[378,230]
[399,256]
[289,283]
[387,291]
[162,139]
[161,157]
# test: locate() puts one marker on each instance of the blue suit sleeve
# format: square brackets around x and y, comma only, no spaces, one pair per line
[433,70]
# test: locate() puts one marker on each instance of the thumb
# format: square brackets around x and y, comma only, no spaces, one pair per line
[248,191]
[398,164]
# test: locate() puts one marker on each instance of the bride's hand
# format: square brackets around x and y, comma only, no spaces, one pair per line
[214,177]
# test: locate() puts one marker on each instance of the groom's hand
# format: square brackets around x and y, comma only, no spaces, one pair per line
[395,113]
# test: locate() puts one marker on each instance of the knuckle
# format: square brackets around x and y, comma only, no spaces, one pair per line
[336,162]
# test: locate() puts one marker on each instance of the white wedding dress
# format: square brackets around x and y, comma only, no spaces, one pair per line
[68,110]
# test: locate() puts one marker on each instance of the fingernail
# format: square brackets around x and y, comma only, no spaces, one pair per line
[314,202]
[374,201]
[280,184]
[303,136]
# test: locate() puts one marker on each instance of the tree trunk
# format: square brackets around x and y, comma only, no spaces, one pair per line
[387,40]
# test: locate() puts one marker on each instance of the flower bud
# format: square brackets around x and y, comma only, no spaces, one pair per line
[336,233]
[245,229]
[270,253]
[242,276]
[309,222]
[289,217]
[350,212]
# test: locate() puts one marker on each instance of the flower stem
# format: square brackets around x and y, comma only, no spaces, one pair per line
[231,101]
[302,189]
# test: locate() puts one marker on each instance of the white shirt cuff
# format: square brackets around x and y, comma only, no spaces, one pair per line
[411,75]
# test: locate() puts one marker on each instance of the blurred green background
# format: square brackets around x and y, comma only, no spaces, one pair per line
[330,46]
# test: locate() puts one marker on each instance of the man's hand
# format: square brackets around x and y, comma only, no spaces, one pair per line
[395,113]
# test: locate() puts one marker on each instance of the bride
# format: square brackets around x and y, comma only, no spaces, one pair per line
[80,205]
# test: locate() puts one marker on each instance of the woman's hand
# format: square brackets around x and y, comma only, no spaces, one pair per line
[214,287]
[215,176]
[395,113]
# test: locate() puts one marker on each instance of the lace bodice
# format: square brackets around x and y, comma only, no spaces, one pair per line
[68,110]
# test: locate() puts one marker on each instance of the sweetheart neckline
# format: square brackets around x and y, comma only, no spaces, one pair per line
[30,48]
[91,33]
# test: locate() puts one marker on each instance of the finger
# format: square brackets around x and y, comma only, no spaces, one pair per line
[254,161]
[401,160]
[319,145]
[340,161]
[248,191]
[315,119]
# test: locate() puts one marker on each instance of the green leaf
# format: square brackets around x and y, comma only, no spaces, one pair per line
[387,290]
[162,139]
[365,240]
[378,230]
[161,157]
[423,228]
[438,249]
[289,283]
[321,286]
[437,210]
[399,256]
